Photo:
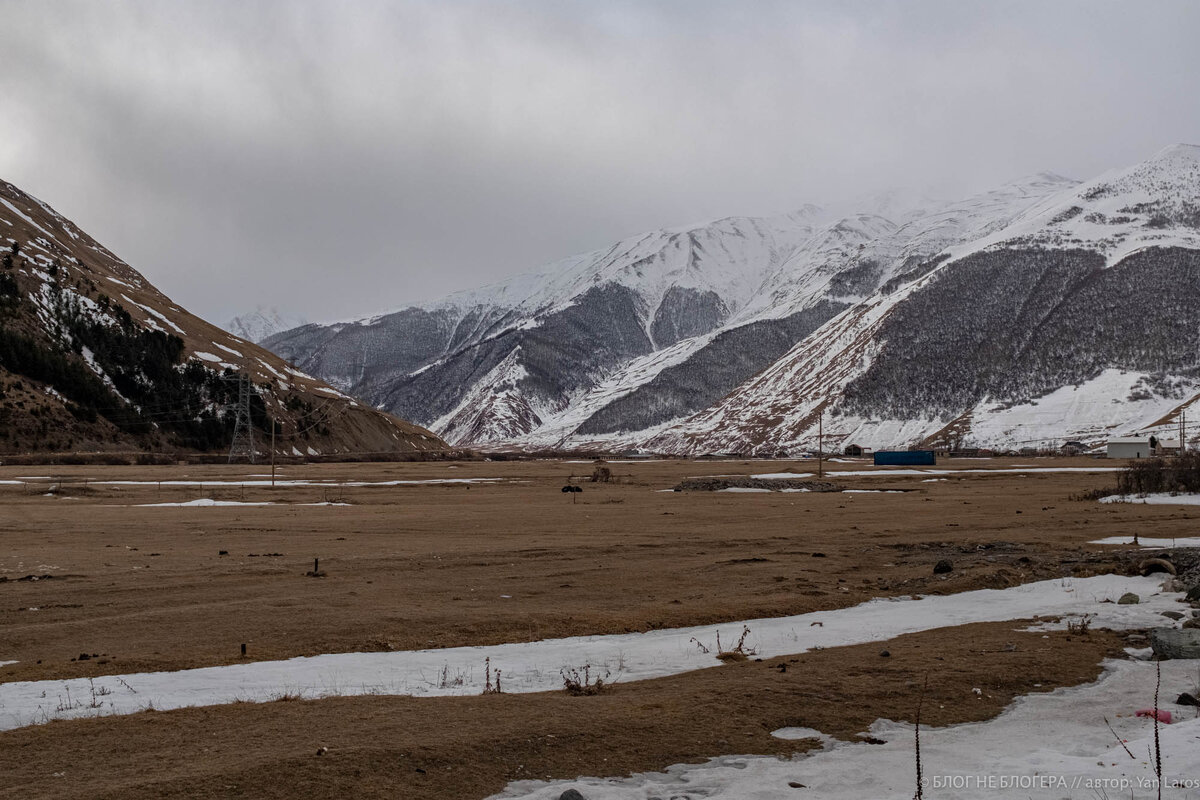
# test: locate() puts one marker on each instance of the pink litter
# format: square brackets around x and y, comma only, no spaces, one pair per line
[1163,716]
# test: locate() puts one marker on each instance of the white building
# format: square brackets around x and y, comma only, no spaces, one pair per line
[1129,447]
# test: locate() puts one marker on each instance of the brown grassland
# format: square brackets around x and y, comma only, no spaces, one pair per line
[429,565]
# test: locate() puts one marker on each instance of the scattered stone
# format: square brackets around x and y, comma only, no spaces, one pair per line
[1187,699]
[571,794]
[322,750]
[1175,643]
[84,657]
[1129,599]
[884,654]
[796,785]
[942,567]
[1191,623]
[1193,593]
[1152,565]
[1173,614]
[818,555]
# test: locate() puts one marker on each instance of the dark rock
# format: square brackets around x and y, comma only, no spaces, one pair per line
[1186,699]
[884,654]
[1193,593]
[942,567]
[84,657]
[1191,623]
[1175,643]
[1129,599]
[571,794]
[1173,614]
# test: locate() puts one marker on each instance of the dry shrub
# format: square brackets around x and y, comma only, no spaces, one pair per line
[581,683]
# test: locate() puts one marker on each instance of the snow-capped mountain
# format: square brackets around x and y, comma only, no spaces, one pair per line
[93,357]
[262,322]
[967,321]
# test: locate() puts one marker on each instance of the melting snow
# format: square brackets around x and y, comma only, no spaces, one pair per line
[533,666]
[1155,499]
[1047,745]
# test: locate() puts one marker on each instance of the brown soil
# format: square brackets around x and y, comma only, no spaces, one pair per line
[420,566]
[426,566]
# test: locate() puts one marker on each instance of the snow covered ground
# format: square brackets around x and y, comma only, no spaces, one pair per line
[534,666]
[209,503]
[1052,745]
[1149,542]
[278,483]
[1155,499]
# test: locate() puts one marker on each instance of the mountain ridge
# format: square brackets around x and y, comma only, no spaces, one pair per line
[638,344]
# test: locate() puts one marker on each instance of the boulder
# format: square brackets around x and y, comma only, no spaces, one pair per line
[942,566]
[1175,643]
[1129,599]
[571,794]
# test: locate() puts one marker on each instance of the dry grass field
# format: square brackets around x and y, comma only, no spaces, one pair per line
[139,587]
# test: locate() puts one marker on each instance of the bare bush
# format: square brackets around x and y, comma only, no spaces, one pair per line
[579,683]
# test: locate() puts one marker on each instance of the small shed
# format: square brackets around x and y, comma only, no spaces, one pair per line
[906,458]
[853,450]
[1130,447]
[1166,447]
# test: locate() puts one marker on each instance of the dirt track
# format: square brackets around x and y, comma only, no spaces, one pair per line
[431,565]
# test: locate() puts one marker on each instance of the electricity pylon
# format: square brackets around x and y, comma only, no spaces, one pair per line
[243,431]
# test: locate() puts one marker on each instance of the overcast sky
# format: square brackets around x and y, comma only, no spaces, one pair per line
[338,158]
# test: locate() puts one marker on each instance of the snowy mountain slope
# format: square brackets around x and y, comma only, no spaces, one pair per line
[1152,204]
[641,295]
[1019,337]
[92,356]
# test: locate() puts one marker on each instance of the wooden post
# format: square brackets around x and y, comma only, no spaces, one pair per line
[243,649]
[272,453]
[316,564]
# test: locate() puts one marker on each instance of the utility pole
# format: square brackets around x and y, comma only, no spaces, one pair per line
[272,452]
[1182,431]
[243,431]
[820,444]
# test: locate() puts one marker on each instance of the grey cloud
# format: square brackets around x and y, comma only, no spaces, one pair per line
[337,158]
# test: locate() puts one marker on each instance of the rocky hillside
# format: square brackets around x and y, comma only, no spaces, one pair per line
[93,357]
[1044,309]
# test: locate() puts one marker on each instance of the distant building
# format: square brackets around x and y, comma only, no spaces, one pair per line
[1166,447]
[853,450]
[906,458]
[1130,447]
[1074,448]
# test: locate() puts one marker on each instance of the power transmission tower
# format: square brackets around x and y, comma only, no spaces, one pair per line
[243,430]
